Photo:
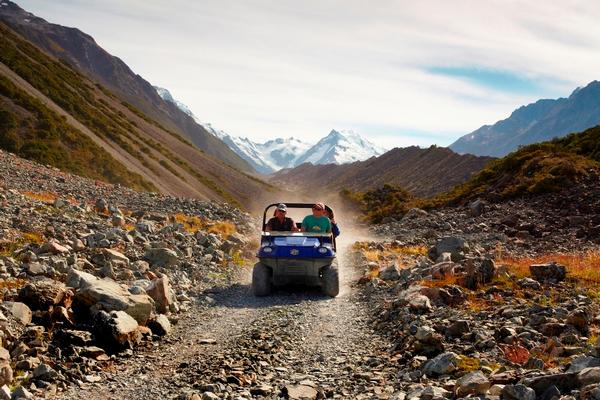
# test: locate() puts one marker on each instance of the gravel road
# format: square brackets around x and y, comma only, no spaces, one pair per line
[294,344]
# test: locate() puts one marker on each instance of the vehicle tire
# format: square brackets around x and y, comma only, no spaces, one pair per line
[330,280]
[261,280]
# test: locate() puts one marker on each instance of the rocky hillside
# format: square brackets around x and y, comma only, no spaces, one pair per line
[424,172]
[53,114]
[89,270]
[82,52]
[535,169]
[491,299]
[537,122]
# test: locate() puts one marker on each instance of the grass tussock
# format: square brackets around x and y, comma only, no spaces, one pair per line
[193,224]
[582,267]
[44,197]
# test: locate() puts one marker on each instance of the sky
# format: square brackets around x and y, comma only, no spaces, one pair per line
[398,72]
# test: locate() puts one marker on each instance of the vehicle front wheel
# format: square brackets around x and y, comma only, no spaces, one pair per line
[261,280]
[330,281]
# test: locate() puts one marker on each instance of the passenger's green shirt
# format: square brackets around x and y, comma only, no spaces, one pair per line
[310,223]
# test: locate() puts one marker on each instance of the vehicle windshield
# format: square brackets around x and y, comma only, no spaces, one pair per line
[296,241]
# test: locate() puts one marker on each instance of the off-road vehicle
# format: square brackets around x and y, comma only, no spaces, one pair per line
[304,258]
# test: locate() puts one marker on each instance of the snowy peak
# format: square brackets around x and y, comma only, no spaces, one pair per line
[167,96]
[340,147]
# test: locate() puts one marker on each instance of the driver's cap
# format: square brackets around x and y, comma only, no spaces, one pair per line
[281,207]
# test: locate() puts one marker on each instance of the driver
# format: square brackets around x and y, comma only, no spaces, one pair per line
[280,222]
[317,222]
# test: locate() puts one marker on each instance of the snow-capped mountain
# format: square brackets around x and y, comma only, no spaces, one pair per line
[340,147]
[167,96]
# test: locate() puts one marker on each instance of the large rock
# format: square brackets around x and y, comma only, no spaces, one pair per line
[518,392]
[108,295]
[390,273]
[6,372]
[473,383]
[161,257]
[589,376]
[160,325]
[443,364]
[160,291]
[300,392]
[18,310]
[117,330]
[52,248]
[454,245]
[550,273]
[564,382]
[43,294]
[114,256]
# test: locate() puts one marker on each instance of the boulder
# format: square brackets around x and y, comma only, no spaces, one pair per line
[160,325]
[472,383]
[528,283]
[476,208]
[6,372]
[45,293]
[161,257]
[18,310]
[589,376]
[114,256]
[52,248]
[44,372]
[106,294]
[548,273]
[582,362]
[420,304]
[443,364]
[300,392]
[160,291]
[390,273]
[454,245]
[565,382]
[518,392]
[117,330]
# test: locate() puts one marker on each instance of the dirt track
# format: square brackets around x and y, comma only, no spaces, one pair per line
[295,341]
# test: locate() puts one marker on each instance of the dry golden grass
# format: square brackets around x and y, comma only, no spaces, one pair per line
[468,364]
[191,223]
[446,280]
[224,229]
[32,237]
[583,267]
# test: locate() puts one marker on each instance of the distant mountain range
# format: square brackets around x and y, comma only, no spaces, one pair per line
[537,122]
[338,147]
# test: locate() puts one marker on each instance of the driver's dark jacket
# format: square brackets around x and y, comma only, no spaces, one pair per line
[275,225]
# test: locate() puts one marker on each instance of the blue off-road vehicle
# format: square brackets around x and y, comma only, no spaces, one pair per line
[289,258]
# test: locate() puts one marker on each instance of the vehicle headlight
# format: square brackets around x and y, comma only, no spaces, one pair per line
[323,250]
[267,249]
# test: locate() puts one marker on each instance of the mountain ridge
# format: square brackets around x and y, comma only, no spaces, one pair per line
[540,121]
[81,51]
[423,172]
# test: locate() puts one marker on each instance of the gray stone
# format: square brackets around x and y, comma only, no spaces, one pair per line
[115,256]
[518,392]
[21,393]
[528,283]
[18,310]
[5,393]
[420,303]
[160,325]
[108,295]
[52,248]
[45,372]
[476,208]
[161,257]
[589,376]
[582,362]
[472,383]
[454,245]
[458,328]
[390,273]
[117,330]
[443,364]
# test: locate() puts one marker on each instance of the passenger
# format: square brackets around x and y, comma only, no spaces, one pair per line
[334,226]
[280,222]
[317,222]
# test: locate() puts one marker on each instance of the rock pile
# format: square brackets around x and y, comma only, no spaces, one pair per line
[463,326]
[89,271]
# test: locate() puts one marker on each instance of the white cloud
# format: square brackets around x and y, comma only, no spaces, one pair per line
[280,68]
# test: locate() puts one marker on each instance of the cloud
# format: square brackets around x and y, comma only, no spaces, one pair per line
[394,70]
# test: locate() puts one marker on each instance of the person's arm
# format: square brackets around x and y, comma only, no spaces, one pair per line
[303,226]
[294,229]
[268,226]
[335,229]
